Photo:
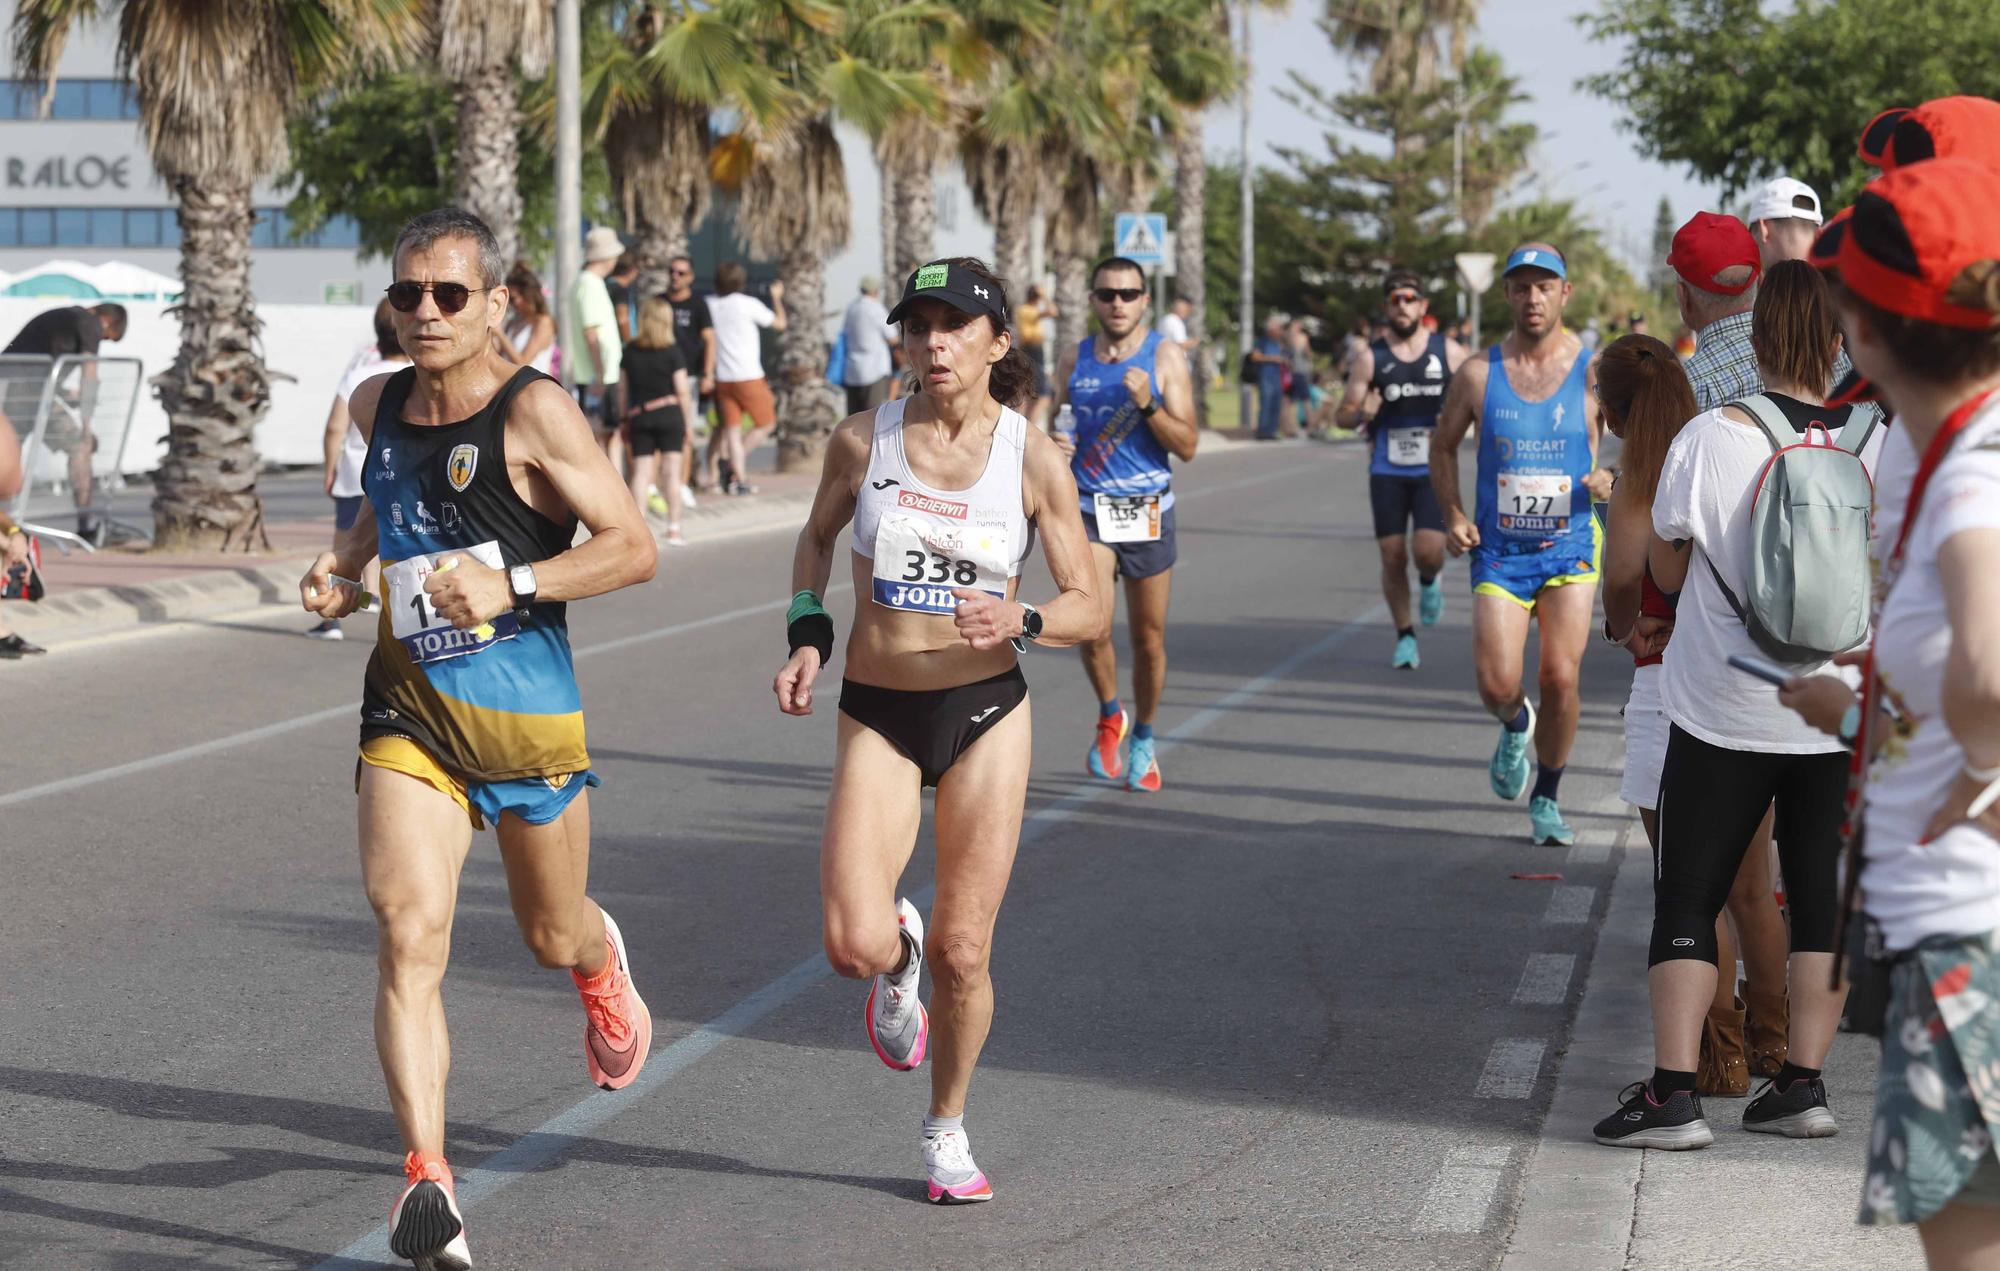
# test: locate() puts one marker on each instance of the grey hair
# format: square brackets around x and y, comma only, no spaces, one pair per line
[427,228]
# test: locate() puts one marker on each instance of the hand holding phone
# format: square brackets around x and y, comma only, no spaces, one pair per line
[1770,672]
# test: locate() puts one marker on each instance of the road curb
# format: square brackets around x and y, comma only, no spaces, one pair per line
[87,612]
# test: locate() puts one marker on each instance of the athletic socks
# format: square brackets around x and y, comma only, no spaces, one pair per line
[1407,631]
[1790,1072]
[1668,1082]
[1142,732]
[1519,724]
[1427,579]
[1108,709]
[1546,780]
[938,1125]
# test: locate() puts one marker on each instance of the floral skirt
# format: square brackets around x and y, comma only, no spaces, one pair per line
[1937,1096]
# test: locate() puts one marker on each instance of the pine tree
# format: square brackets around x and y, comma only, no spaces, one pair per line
[1660,277]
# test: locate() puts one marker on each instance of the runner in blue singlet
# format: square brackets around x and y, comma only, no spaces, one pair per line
[1409,369]
[1133,402]
[1533,539]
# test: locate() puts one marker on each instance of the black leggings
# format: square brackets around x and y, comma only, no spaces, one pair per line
[1711,800]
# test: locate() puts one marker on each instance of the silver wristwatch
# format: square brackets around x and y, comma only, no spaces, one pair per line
[521,583]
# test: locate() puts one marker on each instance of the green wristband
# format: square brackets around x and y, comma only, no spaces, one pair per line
[804,604]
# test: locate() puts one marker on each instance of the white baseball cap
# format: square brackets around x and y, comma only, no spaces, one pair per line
[1784,199]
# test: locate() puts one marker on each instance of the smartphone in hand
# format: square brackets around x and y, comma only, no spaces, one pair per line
[1768,671]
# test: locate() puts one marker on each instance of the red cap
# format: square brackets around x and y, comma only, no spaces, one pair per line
[1911,234]
[1825,252]
[1708,244]
[1946,128]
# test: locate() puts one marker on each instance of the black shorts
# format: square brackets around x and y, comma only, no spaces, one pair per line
[660,431]
[1397,501]
[1139,560]
[932,727]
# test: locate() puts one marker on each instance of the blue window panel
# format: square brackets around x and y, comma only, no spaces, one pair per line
[265,232]
[107,227]
[108,99]
[72,100]
[10,227]
[339,231]
[72,227]
[17,99]
[38,227]
[143,227]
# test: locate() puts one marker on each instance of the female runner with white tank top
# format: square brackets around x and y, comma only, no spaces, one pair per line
[945,489]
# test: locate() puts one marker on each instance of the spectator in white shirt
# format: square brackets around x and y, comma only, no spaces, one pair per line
[347,450]
[740,386]
[1174,324]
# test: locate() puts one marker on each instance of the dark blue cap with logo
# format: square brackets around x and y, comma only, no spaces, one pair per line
[958,287]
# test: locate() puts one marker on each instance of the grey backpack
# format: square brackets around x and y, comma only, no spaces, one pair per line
[1810,584]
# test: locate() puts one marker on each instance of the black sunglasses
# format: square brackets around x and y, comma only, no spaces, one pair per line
[404,297]
[1105,295]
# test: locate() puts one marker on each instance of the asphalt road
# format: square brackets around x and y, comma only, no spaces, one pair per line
[1292,1011]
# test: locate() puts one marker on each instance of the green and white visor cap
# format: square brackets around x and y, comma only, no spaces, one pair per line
[963,291]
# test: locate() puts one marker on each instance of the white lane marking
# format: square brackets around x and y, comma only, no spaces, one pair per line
[1510,1069]
[1569,904]
[1545,980]
[1461,1196]
[1590,854]
[554,1136]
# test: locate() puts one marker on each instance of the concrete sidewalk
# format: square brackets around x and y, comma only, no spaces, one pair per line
[1751,1200]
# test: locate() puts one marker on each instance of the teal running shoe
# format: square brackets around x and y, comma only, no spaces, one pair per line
[1510,769]
[1142,770]
[1405,658]
[1549,828]
[1430,602]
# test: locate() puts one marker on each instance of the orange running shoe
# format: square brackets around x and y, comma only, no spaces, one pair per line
[1104,759]
[619,1030]
[424,1224]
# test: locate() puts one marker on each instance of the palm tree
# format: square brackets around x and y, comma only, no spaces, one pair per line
[482,45]
[215,82]
[1400,36]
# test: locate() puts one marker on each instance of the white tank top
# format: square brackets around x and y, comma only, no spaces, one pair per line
[924,541]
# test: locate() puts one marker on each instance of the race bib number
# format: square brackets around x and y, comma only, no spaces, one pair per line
[1410,447]
[1128,518]
[1535,507]
[426,636]
[919,562]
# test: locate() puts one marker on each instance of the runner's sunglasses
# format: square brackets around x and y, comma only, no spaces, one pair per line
[404,297]
[1105,295]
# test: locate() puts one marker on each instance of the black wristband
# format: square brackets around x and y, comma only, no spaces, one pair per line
[812,631]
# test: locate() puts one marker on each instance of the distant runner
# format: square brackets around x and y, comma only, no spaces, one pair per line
[1410,368]
[476,476]
[1533,539]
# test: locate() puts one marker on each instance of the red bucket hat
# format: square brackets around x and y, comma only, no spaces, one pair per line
[1708,244]
[1947,127]
[1911,234]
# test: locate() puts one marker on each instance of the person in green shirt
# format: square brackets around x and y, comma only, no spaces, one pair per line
[600,351]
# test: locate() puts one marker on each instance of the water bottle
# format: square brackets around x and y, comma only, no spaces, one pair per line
[1066,423]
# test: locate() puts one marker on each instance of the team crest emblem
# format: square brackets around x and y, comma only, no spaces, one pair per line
[463,463]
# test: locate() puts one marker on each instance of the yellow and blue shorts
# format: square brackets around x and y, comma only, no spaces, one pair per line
[536,800]
[1520,576]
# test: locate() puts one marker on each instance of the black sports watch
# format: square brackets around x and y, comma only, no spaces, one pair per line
[1150,409]
[1031,627]
[521,584]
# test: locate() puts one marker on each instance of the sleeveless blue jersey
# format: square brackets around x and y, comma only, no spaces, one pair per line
[1533,457]
[1412,395]
[1116,451]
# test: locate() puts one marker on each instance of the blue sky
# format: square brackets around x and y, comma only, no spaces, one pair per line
[1582,155]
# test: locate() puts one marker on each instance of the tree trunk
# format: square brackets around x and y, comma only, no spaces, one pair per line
[892,282]
[1191,252]
[916,219]
[205,492]
[809,407]
[657,239]
[1011,227]
[1072,300]
[489,118]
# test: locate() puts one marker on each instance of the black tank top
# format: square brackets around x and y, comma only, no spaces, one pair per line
[1411,388]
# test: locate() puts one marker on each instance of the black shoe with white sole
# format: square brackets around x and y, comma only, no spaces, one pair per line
[1674,1126]
[1798,1111]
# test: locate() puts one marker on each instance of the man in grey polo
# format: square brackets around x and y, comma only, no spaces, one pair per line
[867,370]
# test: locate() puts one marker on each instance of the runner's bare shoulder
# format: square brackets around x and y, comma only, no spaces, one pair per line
[544,414]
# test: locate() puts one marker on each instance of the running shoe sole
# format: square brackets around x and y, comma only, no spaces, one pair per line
[1813,1123]
[1665,1138]
[426,1224]
[642,1040]
[972,1193]
[903,924]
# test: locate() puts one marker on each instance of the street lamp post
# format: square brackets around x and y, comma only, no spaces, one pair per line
[1247,276]
[569,173]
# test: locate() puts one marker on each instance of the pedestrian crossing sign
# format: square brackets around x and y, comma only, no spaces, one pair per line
[1141,236]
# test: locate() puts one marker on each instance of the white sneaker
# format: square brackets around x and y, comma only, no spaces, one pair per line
[949,1172]
[687,496]
[898,1026]
[328,629]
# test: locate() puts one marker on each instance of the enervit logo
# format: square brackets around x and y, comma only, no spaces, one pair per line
[936,507]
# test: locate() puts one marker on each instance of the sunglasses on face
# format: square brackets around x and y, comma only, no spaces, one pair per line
[1405,298]
[1105,295]
[681,273]
[451,297]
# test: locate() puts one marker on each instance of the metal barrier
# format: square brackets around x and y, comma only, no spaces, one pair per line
[74,417]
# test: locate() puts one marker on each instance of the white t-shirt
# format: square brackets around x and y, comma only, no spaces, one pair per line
[1707,487]
[354,450]
[1173,329]
[1951,885]
[738,354]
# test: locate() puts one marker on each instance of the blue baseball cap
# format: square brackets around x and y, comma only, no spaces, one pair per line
[1536,257]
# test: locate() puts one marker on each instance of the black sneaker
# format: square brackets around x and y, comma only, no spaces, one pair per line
[1674,1126]
[10,647]
[1798,1111]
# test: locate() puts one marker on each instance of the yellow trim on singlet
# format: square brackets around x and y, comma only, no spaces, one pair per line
[1490,588]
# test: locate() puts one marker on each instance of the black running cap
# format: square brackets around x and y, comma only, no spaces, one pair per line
[956,286]
[1398,278]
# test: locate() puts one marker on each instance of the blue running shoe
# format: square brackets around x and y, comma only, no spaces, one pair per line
[1405,658]
[1142,771]
[1509,772]
[1550,830]
[1430,602]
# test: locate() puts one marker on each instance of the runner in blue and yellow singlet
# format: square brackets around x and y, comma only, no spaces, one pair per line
[477,477]
[1533,537]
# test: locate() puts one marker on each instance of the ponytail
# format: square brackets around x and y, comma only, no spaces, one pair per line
[1640,382]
